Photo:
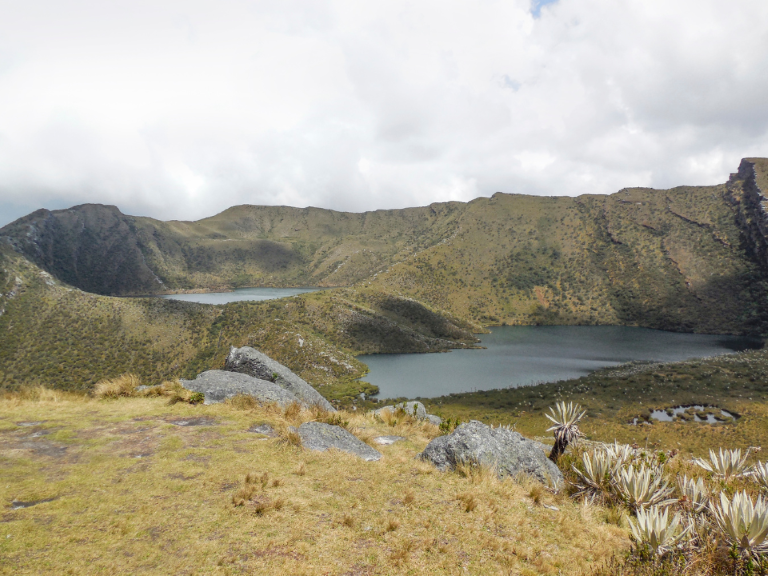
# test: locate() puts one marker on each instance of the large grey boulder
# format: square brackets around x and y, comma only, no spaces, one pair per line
[320,436]
[218,385]
[247,360]
[501,448]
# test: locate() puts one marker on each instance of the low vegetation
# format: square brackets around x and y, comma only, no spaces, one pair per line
[132,485]
[61,337]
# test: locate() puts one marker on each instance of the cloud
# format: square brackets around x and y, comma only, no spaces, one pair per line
[181,109]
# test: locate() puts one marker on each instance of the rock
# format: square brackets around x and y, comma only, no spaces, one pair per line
[201,421]
[247,360]
[411,408]
[416,409]
[387,440]
[263,429]
[320,436]
[501,448]
[436,420]
[218,385]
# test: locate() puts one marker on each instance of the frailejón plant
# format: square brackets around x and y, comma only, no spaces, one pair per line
[655,529]
[742,523]
[641,487]
[728,463]
[760,474]
[694,494]
[566,419]
[599,468]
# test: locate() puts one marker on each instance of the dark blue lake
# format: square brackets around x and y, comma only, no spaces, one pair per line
[525,355]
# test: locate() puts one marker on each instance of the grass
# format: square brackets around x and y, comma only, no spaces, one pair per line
[132,492]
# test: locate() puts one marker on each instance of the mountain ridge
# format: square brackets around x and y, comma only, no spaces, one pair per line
[692,258]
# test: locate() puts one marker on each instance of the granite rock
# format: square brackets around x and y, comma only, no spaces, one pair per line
[320,436]
[502,449]
[247,360]
[218,385]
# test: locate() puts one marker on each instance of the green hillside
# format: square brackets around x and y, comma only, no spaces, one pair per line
[56,335]
[689,258]
[420,279]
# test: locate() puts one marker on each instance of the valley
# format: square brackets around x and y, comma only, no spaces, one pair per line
[690,259]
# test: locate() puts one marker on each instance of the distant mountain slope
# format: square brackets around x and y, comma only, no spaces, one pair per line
[54,334]
[690,258]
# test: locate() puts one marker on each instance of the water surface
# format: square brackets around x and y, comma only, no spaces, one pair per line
[525,355]
[240,295]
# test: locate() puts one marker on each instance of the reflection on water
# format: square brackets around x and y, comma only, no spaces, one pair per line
[524,355]
[240,295]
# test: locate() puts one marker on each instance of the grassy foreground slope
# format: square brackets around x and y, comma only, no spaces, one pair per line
[56,335]
[133,492]
[689,259]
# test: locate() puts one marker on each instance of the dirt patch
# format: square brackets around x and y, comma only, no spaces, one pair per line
[198,421]
[31,423]
[180,476]
[196,458]
[42,448]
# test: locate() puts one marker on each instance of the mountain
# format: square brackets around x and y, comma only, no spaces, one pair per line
[693,258]
[60,336]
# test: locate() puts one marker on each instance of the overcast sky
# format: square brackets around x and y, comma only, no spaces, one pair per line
[178,109]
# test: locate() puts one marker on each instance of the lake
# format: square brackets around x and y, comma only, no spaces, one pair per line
[240,295]
[525,355]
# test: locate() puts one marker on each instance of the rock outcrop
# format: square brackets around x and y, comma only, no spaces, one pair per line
[218,385]
[505,450]
[247,360]
[321,437]
[413,408]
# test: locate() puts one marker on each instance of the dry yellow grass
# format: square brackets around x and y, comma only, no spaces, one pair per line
[135,492]
[122,386]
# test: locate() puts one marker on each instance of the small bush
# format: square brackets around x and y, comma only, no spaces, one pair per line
[335,419]
[447,426]
[243,402]
[122,386]
[468,501]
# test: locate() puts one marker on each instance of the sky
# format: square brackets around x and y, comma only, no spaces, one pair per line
[178,109]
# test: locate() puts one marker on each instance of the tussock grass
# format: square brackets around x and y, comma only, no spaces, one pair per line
[37,393]
[215,499]
[124,385]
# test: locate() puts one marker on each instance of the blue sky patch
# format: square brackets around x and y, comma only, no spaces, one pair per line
[537,5]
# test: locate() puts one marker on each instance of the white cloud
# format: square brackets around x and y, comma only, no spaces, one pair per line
[181,109]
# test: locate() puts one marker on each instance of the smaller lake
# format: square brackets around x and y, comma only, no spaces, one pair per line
[241,295]
[525,355]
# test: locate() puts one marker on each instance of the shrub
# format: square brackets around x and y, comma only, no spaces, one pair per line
[566,418]
[727,464]
[122,386]
[742,523]
[641,487]
[655,530]
[695,496]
